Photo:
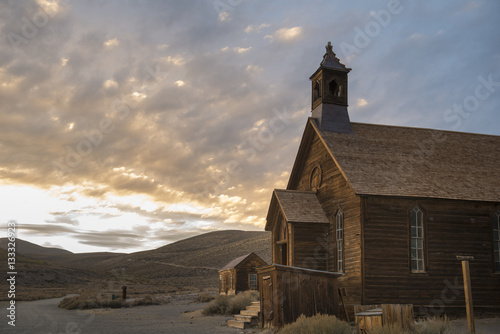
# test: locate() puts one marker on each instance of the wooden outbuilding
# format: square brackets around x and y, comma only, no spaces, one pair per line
[390,207]
[287,292]
[240,274]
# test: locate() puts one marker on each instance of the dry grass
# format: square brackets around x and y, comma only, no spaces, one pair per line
[430,326]
[434,326]
[392,329]
[228,305]
[88,302]
[148,300]
[91,301]
[318,324]
[204,298]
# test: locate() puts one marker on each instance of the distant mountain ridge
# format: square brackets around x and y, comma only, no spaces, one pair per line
[190,262]
[26,247]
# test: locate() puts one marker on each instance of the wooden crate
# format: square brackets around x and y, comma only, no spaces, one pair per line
[369,316]
[367,320]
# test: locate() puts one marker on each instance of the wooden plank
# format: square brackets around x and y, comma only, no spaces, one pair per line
[343,299]
[468,297]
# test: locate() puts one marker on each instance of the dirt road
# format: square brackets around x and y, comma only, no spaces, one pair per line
[181,316]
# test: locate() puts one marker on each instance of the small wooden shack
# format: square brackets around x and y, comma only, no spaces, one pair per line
[240,274]
[287,292]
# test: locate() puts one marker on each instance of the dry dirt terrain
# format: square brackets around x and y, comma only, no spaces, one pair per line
[180,316]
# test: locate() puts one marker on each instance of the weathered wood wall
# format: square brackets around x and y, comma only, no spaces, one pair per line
[451,228]
[244,269]
[225,282]
[333,194]
[288,292]
[310,246]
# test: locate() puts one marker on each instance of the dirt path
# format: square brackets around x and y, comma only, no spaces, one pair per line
[181,316]
[183,266]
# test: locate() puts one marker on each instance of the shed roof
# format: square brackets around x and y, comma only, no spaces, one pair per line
[415,162]
[234,263]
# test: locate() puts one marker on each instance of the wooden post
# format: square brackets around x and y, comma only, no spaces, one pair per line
[468,297]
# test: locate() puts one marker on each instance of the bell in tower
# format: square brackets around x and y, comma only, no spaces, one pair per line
[329,94]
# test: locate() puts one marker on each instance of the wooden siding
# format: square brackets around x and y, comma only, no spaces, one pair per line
[335,192]
[310,247]
[287,292]
[451,228]
[225,282]
[243,270]
[239,274]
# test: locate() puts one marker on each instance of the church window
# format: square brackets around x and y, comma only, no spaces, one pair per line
[340,240]
[417,240]
[496,240]
[315,178]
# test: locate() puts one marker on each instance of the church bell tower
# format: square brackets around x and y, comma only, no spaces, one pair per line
[329,94]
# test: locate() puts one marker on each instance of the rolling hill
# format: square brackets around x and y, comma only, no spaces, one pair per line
[192,262]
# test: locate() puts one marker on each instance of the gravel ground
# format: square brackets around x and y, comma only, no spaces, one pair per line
[181,316]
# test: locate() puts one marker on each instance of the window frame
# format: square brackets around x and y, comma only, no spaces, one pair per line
[421,266]
[495,226]
[250,281]
[340,249]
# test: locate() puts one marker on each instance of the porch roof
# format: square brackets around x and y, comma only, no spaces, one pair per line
[296,207]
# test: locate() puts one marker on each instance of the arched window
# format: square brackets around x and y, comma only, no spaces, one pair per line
[496,240]
[417,240]
[335,88]
[316,90]
[339,228]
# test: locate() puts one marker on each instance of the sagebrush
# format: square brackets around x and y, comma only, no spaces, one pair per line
[233,304]
[318,324]
[204,298]
[84,302]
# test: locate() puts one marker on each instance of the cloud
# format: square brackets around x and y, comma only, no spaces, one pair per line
[242,50]
[361,102]
[170,124]
[64,220]
[46,229]
[256,28]
[50,7]
[287,34]
[224,17]
[110,43]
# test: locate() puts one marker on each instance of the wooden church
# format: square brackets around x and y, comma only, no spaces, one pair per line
[389,207]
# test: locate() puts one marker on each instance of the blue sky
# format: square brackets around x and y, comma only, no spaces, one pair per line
[126,125]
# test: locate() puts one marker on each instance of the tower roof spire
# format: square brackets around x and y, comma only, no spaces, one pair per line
[330,60]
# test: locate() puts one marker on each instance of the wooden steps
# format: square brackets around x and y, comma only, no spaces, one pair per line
[247,318]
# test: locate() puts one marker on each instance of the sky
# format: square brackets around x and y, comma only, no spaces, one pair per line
[128,125]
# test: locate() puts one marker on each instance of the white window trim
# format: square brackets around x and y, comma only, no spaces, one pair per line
[496,241]
[339,239]
[250,285]
[417,240]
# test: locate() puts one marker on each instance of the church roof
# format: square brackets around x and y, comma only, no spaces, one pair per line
[412,162]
